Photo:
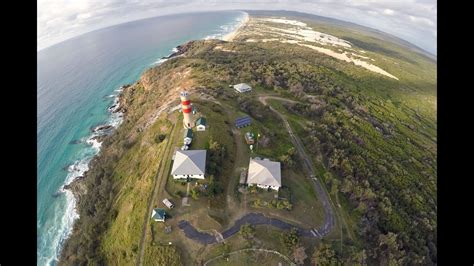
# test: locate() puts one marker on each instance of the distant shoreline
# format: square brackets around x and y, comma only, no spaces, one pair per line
[230,36]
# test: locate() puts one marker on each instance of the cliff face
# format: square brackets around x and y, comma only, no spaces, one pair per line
[97,192]
[157,88]
[78,188]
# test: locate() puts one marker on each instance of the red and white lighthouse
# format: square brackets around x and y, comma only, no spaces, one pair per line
[188,121]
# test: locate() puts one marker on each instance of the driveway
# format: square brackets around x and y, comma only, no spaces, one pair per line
[259,218]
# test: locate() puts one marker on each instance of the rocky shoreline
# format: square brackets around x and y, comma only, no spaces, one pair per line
[92,187]
[180,49]
[99,134]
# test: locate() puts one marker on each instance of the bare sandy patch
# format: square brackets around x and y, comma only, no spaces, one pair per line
[297,32]
[344,57]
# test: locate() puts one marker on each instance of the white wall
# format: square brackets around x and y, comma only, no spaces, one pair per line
[266,187]
[186,176]
[201,128]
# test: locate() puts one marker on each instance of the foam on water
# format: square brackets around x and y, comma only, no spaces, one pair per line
[76,170]
[159,61]
[58,224]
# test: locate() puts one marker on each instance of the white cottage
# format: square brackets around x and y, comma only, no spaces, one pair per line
[242,87]
[189,164]
[201,124]
[264,173]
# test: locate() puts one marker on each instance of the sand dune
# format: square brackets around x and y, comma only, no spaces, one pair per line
[299,33]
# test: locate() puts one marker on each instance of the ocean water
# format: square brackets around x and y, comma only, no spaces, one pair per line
[77,81]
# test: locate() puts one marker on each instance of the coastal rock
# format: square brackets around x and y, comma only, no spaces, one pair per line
[77,187]
[181,49]
[102,128]
[99,138]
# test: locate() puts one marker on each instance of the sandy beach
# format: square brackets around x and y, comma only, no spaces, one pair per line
[230,37]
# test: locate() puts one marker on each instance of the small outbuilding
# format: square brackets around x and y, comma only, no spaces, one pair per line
[158,215]
[201,124]
[168,203]
[249,138]
[188,136]
[242,87]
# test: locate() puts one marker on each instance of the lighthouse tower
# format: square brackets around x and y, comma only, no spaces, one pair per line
[188,121]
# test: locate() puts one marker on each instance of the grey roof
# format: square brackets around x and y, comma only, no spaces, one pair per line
[201,121]
[191,162]
[264,172]
[242,86]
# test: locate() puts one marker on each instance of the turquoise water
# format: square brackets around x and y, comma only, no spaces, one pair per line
[77,81]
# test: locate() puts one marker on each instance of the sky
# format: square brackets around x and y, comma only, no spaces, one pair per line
[411,20]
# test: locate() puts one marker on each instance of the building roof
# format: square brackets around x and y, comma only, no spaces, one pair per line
[168,203]
[158,214]
[241,121]
[264,172]
[249,135]
[188,133]
[191,162]
[242,86]
[201,121]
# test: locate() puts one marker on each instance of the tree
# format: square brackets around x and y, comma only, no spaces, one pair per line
[290,239]
[388,249]
[214,187]
[225,249]
[160,138]
[325,255]
[357,257]
[286,160]
[247,231]
[299,255]
[194,193]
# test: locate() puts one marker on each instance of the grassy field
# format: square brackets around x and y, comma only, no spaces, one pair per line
[136,172]
[251,258]
[372,140]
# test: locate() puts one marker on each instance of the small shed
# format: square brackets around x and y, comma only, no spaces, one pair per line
[201,124]
[242,87]
[188,136]
[249,138]
[158,215]
[168,203]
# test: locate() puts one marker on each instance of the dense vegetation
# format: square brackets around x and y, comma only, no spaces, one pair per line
[373,138]
[379,148]
[95,213]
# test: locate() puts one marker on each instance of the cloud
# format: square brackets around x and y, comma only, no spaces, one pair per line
[388,12]
[412,20]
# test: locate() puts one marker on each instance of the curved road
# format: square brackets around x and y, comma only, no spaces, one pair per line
[308,167]
[258,218]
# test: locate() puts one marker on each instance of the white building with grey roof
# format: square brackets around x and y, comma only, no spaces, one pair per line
[242,87]
[264,173]
[189,164]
